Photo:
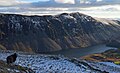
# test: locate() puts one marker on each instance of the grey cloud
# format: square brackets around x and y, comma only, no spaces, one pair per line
[88,3]
[49,7]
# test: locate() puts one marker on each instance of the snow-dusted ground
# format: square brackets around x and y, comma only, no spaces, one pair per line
[105,66]
[57,64]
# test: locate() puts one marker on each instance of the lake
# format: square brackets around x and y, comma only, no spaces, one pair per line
[79,52]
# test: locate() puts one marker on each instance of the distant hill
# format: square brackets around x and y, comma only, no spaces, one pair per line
[53,33]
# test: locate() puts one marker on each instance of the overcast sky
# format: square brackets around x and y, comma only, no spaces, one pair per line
[32,7]
[15,2]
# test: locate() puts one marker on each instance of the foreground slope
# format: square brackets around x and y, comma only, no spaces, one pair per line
[5,68]
[60,64]
[53,33]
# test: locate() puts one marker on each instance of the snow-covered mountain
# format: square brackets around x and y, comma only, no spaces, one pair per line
[53,33]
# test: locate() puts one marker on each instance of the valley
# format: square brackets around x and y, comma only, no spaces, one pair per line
[50,33]
[59,36]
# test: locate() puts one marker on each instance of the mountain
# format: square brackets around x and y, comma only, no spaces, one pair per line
[53,33]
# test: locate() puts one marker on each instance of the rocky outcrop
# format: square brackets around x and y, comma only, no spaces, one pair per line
[52,33]
[11,68]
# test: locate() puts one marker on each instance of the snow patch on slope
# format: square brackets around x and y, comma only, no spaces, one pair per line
[105,66]
[47,63]
[59,64]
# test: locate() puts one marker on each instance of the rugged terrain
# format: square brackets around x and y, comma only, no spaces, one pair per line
[5,68]
[52,33]
[40,63]
[112,55]
[114,43]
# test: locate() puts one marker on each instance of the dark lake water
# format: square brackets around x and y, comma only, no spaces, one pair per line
[79,52]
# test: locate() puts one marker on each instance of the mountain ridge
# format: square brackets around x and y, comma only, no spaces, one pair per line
[53,33]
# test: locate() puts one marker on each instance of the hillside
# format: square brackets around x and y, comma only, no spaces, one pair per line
[5,68]
[53,33]
[40,63]
[112,55]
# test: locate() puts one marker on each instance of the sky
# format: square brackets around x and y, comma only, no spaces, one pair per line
[33,0]
[14,2]
[95,8]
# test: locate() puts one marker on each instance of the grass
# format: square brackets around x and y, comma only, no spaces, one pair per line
[117,62]
[107,56]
